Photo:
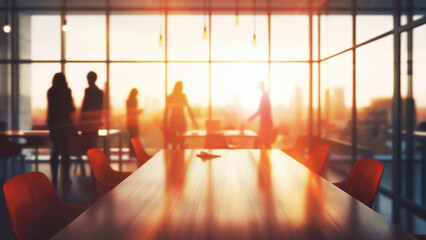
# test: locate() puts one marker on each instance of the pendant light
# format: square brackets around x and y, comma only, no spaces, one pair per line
[237,22]
[205,26]
[64,26]
[254,41]
[160,40]
[6,27]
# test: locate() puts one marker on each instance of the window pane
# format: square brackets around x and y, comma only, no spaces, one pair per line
[136,37]
[289,37]
[231,42]
[336,34]
[235,92]
[185,38]
[336,96]
[419,90]
[39,36]
[5,97]
[76,74]
[374,102]
[366,30]
[195,78]
[149,79]
[86,37]
[35,80]
[290,99]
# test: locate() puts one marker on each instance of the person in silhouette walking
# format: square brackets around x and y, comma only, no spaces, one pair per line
[266,125]
[174,125]
[132,113]
[91,112]
[59,110]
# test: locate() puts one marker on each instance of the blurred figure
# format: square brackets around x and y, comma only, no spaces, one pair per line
[174,125]
[266,126]
[60,107]
[91,112]
[132,113]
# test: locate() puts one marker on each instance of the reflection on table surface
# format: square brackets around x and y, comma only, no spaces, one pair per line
[230,133]
[45,133]
[244,194]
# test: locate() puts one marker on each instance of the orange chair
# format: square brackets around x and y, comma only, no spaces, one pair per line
[35,209]
[105,177]
[317,158]
[141,155]
[363,180]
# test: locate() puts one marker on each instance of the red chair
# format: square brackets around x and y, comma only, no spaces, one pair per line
[420,237]
[141,155]
[317,158]
[35,209]
[363,180]
[105,177]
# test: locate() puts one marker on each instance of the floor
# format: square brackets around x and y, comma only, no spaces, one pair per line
[81,190]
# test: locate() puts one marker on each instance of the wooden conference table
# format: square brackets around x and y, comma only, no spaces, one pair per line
[103,133]
[227,133]
[245,194]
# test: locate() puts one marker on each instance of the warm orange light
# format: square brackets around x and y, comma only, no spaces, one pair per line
[65,27]
[7,29]
[205,33]
[160,41]
[237,22]
[254,42]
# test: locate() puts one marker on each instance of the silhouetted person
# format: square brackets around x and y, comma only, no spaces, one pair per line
[132,113]
[91,112]
[175,124]
[266,125]
[59,122]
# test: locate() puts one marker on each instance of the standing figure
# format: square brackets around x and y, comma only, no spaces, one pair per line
[132,113]
[59,109]
[91,112]
[175,124]
[266,125]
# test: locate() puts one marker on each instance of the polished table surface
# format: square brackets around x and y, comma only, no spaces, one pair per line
[227,133]
[244,194]
[45,133]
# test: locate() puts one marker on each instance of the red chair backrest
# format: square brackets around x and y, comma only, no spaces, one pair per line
[318,157]
[102,171]
[141,155]
[26,193]
[364,179]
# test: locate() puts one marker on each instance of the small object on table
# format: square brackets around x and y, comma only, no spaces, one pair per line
[205,155]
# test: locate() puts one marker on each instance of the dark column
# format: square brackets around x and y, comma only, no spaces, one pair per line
[396,111]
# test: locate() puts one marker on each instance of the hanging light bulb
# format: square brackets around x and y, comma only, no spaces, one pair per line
[205,28]
[205,33]
[160,41]
[237,22]
[65,27]
[7,28]
[254,41]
